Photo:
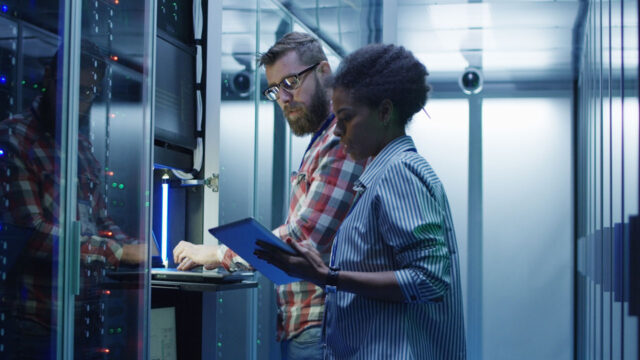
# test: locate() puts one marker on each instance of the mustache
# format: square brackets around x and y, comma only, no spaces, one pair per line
[291,107]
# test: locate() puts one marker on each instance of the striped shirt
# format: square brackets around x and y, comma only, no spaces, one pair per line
[321,195]
[400,222]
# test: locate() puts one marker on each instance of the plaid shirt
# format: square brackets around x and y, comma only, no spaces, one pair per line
[321,195]
[30,200]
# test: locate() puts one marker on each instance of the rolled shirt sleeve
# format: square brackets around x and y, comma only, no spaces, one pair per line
[413,218]
[230,260]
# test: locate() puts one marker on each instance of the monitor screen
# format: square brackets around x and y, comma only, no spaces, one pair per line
[175,121]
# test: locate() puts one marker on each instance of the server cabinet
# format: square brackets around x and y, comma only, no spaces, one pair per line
[75,158]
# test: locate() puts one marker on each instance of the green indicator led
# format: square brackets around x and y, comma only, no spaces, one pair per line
[219,344]
[35,86]
[23,82]
[119,330]
[43,89]
[220,300]
[258,341]
[114,184]
[147,204]
[121,186]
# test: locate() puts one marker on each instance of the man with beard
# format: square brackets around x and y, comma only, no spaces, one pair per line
[321,190]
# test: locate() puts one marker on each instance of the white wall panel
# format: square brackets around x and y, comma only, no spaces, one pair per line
[527,285]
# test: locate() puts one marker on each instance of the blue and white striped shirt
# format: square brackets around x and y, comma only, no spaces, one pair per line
[400,222]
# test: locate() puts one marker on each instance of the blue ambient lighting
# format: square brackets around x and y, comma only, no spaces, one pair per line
[165,210]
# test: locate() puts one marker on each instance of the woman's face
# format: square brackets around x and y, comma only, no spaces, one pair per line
[361,128]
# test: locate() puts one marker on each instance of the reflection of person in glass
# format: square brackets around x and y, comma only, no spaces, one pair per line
[29,189]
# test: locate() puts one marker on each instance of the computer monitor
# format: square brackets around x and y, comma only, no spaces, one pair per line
[175,121]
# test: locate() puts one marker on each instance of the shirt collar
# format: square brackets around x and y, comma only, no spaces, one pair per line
[322,129]
[384,157]
[316,135]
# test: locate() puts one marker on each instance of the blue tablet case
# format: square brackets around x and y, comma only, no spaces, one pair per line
[241,236]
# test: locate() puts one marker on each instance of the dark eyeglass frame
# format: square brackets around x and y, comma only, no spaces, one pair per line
[273,92]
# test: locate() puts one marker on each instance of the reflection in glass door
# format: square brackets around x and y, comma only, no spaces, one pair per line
[74,178]
[113,168]
[31,174]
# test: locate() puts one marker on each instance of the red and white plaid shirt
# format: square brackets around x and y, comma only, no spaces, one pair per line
[321,195]
[30,204]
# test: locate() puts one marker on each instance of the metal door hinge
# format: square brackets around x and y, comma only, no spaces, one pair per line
[212,182]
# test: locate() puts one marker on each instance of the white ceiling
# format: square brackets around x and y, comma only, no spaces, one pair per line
[512,40]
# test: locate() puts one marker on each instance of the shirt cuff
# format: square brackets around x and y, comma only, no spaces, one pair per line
[407,284]
[96,248]
[230,260]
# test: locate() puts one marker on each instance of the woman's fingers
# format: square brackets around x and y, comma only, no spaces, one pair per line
[297,247]
[306,263]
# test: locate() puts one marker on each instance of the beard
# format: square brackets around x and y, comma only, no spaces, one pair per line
[307,120]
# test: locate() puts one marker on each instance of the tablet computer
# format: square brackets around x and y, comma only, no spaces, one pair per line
[240,236]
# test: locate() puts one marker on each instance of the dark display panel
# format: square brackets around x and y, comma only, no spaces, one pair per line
[175,121]
[175,18]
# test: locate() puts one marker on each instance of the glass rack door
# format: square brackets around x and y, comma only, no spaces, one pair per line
[113,167]
[32,177]
[75,165]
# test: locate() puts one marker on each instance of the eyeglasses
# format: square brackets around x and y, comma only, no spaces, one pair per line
[289,83]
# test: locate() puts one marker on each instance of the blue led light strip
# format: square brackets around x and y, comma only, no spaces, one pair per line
[165,209]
